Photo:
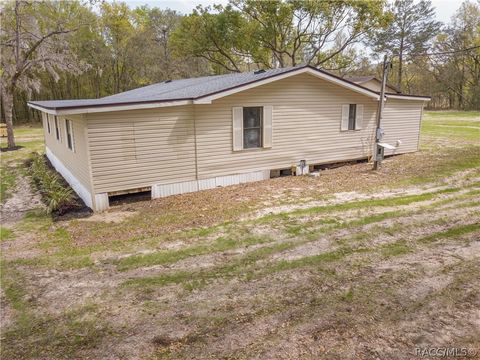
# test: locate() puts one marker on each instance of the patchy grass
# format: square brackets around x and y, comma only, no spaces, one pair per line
[6,234]
[167,257]
[7,183]
[55,337]
[395,249]
[455,232]
[185,275]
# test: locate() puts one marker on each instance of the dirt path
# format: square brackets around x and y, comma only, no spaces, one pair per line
[22,200]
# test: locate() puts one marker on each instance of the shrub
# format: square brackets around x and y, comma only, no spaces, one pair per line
[57,195]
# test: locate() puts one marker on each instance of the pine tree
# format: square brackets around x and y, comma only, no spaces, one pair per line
[410,32]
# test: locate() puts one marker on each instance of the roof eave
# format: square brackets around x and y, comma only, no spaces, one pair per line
[408,97]
[108,107]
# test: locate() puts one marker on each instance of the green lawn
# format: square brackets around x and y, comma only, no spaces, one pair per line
[454,124]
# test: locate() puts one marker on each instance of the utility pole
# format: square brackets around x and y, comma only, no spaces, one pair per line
[378,130]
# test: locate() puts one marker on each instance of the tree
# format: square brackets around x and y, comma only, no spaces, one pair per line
[33,40]
[408,34]
[310,31]
[457,68]
[277,33]
[220,35]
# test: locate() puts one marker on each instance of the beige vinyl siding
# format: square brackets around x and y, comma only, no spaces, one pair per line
[401,121]
[306,124]
[139,148]
[75,161]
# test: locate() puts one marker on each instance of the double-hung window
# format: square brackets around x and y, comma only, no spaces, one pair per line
[352,113]
[57,128]
[69,133]
[352,117]
[252,127]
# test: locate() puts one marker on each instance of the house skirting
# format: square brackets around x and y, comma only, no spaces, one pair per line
[81,191]
[162,190]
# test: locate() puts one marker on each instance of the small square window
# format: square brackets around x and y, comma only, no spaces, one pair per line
[252,127]
[352,114]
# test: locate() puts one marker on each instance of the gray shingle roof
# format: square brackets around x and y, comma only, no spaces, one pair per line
[188,89]
[185,89]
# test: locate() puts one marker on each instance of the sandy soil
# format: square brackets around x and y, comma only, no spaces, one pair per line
[397,302]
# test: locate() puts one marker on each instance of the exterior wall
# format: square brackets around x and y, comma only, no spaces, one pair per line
[401,121]
[139,148]
[307,114]
[73,165]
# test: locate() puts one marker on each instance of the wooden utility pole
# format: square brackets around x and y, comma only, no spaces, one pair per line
[386,64]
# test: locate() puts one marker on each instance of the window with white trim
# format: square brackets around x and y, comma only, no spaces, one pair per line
[57,128]
[352,117]
[252,127]
[69,133]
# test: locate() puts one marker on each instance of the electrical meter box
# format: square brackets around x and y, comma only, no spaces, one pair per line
[380,133]
[380,153]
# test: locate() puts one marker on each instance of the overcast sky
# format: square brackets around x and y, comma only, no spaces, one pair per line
[444,8]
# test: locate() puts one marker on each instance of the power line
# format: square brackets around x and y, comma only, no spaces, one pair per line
[448,52]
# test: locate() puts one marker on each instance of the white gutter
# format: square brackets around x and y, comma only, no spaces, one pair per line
[109,108]
[406,97]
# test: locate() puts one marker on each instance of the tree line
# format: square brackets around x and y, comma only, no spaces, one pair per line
[75,49]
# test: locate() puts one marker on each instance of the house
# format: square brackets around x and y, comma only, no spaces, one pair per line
[373,83]
[187,135]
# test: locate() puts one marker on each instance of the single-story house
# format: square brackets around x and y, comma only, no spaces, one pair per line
[193,134]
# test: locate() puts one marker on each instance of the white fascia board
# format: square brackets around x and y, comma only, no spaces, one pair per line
[406,97]
[48,111]
[208,99]
[110,108]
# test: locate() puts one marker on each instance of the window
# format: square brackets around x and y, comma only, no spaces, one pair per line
[352,117]
[57,129]
[48,124]
[252,127]
[69,132]
[352,114]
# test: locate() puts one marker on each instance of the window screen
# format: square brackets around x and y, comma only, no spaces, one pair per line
[351,116]
[252,127]
[57,129]
[69,129]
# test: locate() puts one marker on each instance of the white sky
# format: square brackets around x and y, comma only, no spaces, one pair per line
[444,8]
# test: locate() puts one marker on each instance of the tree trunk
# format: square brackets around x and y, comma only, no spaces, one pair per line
[400,66]
[8,108]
